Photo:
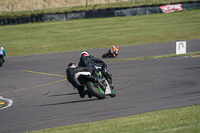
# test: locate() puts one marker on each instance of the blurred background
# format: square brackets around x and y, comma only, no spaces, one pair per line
[7,6]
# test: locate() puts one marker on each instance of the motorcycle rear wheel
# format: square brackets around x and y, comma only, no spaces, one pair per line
[105,55]
[1,62]
[95,91]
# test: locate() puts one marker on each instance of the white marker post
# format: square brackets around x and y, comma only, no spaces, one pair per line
[181,47]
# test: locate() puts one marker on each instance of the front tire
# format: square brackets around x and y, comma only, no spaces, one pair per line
[95,91]
[113,94]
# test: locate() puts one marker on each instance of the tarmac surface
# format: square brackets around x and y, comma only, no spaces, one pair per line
[35,94]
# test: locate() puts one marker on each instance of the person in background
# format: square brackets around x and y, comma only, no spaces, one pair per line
[114,50]
[87,60]
[2,50]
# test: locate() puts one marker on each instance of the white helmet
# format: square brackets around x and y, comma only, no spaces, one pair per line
[72,65]
[2,48]
[84,54]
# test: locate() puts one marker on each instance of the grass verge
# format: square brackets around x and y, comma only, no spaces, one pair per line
[48,37]
[156,57]
[177,120]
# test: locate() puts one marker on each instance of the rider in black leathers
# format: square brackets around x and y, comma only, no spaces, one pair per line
[74,69]
[4,53]
[87,60]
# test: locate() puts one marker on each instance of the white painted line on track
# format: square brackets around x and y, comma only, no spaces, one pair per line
[10,102]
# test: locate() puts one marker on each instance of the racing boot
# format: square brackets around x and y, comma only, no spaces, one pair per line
[108,77]
[111,86]
[85,92]
[89,94]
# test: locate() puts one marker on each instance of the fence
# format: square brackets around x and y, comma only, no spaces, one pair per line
[100,13]
[32,5]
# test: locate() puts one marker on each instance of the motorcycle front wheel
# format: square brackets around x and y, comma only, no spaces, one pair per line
[95,90]
[113,94]
[105,55]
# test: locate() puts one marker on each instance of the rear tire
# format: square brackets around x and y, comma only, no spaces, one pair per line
[97,92]
[1,62]
[105,55]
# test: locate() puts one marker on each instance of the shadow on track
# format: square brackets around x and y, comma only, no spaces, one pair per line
[68,102]
[63,94]
[191,68]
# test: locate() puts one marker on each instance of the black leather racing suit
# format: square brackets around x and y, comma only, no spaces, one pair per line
[86,61]
[90,60]
[83,78]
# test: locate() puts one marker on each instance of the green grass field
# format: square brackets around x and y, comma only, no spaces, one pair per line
[48,37]
[178,120]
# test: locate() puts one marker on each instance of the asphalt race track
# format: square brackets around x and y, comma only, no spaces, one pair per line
[42,98]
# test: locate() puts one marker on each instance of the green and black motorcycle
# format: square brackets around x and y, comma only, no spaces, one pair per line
[99,89]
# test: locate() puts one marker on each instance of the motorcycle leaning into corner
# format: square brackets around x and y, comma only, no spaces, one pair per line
[2,58]
[113,52]
[99,89]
